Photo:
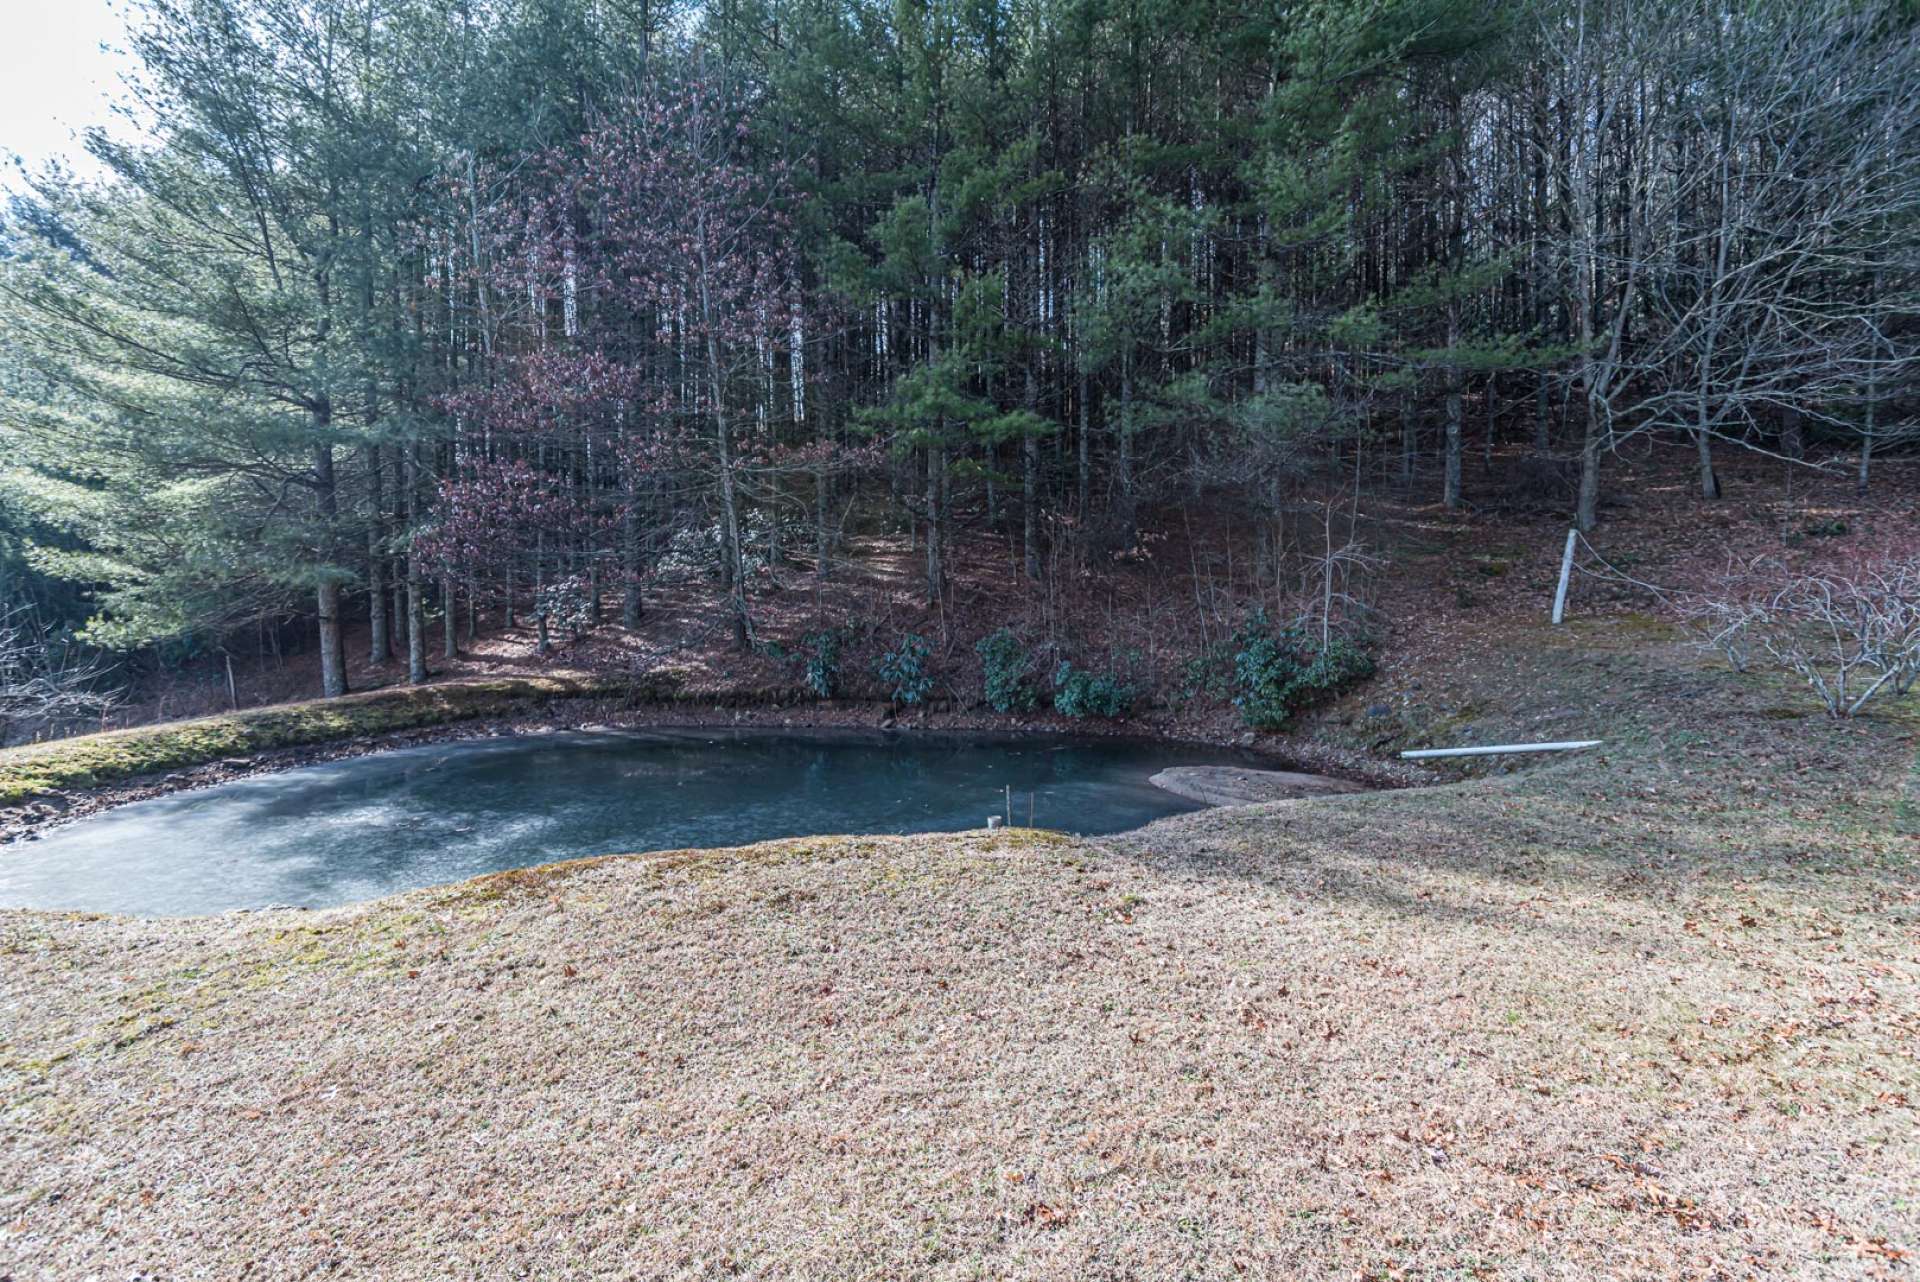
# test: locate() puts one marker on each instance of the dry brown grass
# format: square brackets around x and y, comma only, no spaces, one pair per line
[1647,1014]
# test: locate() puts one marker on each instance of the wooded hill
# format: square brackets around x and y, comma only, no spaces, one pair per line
[420,305]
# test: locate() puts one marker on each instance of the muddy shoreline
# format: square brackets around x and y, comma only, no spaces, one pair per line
[26,820]
[1246,786]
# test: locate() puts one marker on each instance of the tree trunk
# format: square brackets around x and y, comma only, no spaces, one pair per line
[936,466]
[1866,437]
[630,572]
[539,586]
[1124,455]
[416,592]
[936,570]
[1085,460]
[1456,241]
[1869,424]
[1029,485]
[333,658]
[1409,437]
[1587,508]
[379,646]
[1493,425]
[1597,374]
[397,587]
[1542,434]
[822,536]
[449,619]
[630,604]
[988,473]
[1703,392]
[734,569]
[1793,440]
[1703,447]
[1451,490]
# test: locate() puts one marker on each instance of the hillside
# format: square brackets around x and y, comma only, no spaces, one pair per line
[1647,1011]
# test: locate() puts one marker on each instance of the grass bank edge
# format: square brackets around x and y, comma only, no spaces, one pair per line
[38,770]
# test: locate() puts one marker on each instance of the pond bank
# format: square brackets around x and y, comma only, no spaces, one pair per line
[44,785]
[1241,786]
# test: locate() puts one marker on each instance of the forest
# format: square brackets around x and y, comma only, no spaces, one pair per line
[412,319]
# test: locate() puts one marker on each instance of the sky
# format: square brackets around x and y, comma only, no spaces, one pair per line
[55,79]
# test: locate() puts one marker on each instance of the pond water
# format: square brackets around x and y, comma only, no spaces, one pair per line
[363,827]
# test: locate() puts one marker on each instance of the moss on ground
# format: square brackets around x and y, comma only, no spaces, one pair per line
[87,760]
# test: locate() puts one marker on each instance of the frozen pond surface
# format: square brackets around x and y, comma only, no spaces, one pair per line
[360,828]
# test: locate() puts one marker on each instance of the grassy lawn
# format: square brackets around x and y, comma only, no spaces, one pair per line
[1647,1012]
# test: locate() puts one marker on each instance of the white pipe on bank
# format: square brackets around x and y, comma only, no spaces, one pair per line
[1568,746]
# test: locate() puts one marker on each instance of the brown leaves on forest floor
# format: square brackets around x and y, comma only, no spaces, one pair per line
[1480,579]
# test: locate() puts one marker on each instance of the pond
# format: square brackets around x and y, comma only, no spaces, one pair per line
[364,827]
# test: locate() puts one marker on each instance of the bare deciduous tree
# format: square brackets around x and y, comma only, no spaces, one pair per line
[1795,160]
[44,686]
[1851,636]
[1735,190]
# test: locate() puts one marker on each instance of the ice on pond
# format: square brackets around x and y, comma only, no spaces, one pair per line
[369,826]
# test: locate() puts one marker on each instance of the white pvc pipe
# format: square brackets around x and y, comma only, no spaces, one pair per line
[1567,746]
[1566,573]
